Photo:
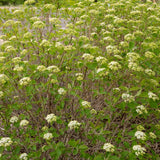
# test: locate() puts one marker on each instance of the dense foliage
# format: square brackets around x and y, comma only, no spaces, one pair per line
[80,83]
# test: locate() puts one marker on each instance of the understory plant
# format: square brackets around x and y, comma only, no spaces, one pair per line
[80,83]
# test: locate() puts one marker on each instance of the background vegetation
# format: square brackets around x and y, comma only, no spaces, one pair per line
[80,83]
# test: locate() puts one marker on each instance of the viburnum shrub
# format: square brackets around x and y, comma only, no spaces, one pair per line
[80,82]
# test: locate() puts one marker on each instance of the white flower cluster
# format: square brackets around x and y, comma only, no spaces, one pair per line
[134,66]
[61,91]
[153,96]
[102,72]
[109,147]
[139,150]
[39,24]
[140,135]
[149,72]
[3,78]
[54,21]
[27,35]
[13,119]
[152,135]
[53,69]
[101,60]
[79,76]
[49,7]
[29,2]
[114,66]
[127,97]
[1,94]
[133,56]
[18,68]
[86,104]
[149,54]
[88,57]
[16,60]
[74,124]
[141,109]
[41,68]
[23,156]
[51,118]
[48,136]
[45,43]
[5,142]
[24,123]
[24,81]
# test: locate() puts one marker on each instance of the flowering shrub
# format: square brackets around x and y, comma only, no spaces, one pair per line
[80,83]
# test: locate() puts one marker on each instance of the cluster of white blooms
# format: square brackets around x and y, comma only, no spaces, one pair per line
[124,44]
[116,89]
[24,81]
[140,135]
[134,66]
[51,118]
[149,72]
[133,56]
[69,48]
[114,66]
[13,38]
[118,56]
[127,97]
[49,6]
[10,49]
[152,135]
[18,12]
[2,59]
[53,69]
[59,45]
[45,43]
[149,54]
[74,124]
[27,35]
[48,136]
[45,128]
[54,21]
[38,24]
[129,37]
[141,109]
[23,52]
[79,76]
[111,49]
[5,142]
[13,119]
[24,122]
[23,156]
[88,57]
[54,81]
[109,147]
[18,68]
[29,2]
[101,60]
[16,60]
[1,94]
[139,150]
[3,78]
[62,91]
[108,39]
[102,72]
[41,68]
[9,23]
[154,82]
[153,96]
[86,104]
[93,111]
